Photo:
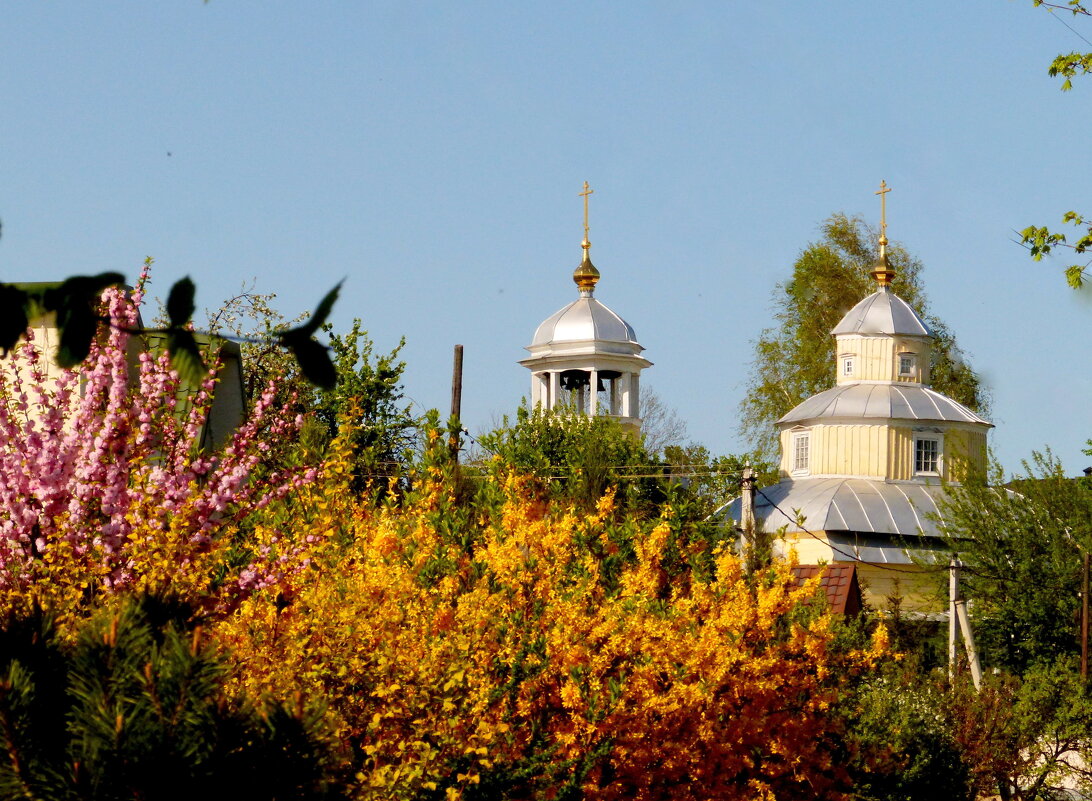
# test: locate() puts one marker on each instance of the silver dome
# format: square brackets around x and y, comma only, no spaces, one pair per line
[882,312]
[859,505]
[884,401]
[584,320]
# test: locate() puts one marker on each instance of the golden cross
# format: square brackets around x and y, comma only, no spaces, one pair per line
[585,194]
[884,189]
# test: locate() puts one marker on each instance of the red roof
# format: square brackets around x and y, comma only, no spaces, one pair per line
[839,582]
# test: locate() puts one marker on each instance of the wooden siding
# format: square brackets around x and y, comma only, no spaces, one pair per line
[916,589]
[883,451]
[963,451]
[876,358]
[850,450]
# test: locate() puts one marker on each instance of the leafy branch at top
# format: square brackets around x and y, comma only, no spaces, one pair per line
[75,304]
[1040,240]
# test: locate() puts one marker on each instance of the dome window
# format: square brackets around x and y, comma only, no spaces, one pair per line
[801,453]
[907,363]
[927,455]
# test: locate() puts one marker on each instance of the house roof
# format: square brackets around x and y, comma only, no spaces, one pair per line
[585,319]
[882,312]
[859,505]
[883,401]
[838,582]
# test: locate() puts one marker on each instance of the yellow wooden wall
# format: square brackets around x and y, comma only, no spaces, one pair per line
[877,358]
[883,451]
[851,450]
[963,452]
[919,589]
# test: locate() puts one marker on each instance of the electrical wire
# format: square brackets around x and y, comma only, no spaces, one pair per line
[1050,10]
[851,557]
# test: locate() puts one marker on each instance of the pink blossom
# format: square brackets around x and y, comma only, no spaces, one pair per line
[94,454]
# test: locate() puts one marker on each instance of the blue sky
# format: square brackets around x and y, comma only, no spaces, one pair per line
[431,154]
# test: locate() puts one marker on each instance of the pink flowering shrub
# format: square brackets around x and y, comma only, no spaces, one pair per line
[104,486]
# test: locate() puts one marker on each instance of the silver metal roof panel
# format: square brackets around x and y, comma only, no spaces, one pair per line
[859,505]
[585,319]
[881,401]
[882,312]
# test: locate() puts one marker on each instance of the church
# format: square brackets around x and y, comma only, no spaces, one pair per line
[863,464]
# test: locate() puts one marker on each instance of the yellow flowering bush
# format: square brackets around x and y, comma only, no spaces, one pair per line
[529,650]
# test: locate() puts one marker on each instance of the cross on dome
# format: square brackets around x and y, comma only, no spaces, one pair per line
[586,276]
[882,272]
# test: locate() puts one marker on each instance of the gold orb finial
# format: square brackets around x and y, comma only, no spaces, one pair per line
[586,276]
[883,272]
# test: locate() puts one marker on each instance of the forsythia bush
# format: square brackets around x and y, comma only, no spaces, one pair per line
[535,652]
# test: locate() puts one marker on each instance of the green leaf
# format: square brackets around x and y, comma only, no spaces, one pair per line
[186,356]
[13,316]
[322,311]
[74,302]
[76,329]
[180,306]
[1074,276]
[315,363]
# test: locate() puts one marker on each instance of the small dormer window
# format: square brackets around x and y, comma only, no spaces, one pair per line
[907,363]
[801,452]
[927,455]
[847,364]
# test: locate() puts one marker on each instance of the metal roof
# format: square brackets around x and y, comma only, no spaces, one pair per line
[860,506]
[885,401]
[882,312]
[585,319]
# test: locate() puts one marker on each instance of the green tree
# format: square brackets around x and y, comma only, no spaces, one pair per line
[903,745]
[137,707]
[795,359]
[712,481]
[367,386]
[577,456]
[369,391]
[1022,547]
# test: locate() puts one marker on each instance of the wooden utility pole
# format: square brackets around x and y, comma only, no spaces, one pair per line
[957,611]
[457,399]
[747,517]
[968,640]
[953,593]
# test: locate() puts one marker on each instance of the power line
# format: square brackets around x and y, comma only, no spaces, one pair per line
[849,556]
[1051,8]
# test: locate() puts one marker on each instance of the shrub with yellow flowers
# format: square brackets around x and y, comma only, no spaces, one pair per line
[517,648]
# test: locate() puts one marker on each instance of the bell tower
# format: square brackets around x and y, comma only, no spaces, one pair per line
[585,356]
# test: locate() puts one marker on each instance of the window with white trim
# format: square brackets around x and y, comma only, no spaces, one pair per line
[801,452]
[906,364]
[847,364]
[927,456]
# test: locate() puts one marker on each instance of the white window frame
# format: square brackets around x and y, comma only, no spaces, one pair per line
[849,364]
[801,442]
[911,358]
[938,439]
